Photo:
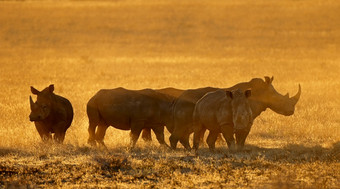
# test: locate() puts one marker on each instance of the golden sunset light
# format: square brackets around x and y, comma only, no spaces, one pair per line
[235,94]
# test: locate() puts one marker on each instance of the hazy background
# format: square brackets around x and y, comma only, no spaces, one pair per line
[84,46]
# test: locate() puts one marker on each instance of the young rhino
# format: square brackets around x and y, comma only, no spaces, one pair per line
[225,112]
[51,114]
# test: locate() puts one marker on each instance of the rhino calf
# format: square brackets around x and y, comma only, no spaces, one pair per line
[222,112]
[51,113]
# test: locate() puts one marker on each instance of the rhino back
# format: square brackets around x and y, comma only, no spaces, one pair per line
[171,91]
[185,103]
[118,107]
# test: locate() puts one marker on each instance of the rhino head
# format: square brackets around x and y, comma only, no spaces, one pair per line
[242,114]
[41,109]
[265,93]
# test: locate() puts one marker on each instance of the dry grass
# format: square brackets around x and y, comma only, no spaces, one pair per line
[83,46]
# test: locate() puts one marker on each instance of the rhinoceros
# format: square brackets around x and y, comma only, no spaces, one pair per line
[173,92]
[132,110]
[182,116]
[223,112]
[51,113]
[263,96]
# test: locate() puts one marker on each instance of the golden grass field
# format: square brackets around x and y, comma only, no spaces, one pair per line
[84,46]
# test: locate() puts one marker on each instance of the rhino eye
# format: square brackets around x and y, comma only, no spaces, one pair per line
[44,107]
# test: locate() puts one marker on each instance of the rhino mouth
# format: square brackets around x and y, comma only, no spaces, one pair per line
[35,118]
[288,113]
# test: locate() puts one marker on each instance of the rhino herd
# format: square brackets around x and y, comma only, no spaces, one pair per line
[229,111]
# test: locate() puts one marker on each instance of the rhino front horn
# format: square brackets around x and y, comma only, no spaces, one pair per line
[31,101]
[296,98]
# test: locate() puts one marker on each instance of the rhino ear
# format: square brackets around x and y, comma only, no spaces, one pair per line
[229,94]
[34,91]
[268,80]
[247,93]
[51,88]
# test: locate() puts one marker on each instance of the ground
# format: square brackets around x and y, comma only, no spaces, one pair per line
[84,46]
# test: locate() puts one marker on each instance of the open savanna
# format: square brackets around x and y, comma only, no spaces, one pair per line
[84,46]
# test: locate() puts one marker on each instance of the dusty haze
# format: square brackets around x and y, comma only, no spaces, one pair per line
[84,46]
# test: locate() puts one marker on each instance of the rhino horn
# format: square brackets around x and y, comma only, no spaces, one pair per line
[287,95]
[296,98]
[31,102]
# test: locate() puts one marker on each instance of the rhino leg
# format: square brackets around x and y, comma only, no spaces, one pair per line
[185,140]
[59,131]
[241,138]
[181,134]
[173,141]
[202,136]
[59,137]
[92,136]
[94,120]
[146,135]
[228,134]
[100,134]
[45,135]
[136,129]
[159,132]
[211,140]
[197,137]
